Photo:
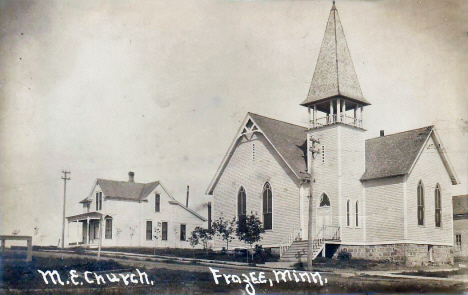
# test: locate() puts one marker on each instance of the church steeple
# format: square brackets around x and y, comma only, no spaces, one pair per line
[335,85]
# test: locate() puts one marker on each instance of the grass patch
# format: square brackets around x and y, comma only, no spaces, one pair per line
[436,274]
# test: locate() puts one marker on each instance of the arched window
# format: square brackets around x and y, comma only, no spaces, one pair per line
[324,201]
[241,204]
[357,213]
[420,203]
[347,213]
[267,207]
[438,206]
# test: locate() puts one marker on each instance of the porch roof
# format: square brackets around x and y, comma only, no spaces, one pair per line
[85,216]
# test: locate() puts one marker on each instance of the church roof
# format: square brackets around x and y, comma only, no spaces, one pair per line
[289,140]
[460,205]
[394,155]
[334,73]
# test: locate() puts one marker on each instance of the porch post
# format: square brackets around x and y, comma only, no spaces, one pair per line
[343,111]
[87,231]
[331,111]
[338,103]
[315,115]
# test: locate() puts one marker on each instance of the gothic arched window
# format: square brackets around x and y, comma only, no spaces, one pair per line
[241,204]
[357,213]
[438,206]
[420,203]
[324,201]
[348,223]
[267,206]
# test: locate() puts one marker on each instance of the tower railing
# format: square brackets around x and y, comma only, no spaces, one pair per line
[333,119]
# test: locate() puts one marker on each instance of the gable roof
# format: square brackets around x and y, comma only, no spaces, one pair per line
[386,156]
[334,73]
[460,204]
[133,191]
[289,141]
[125,190]
[396,154]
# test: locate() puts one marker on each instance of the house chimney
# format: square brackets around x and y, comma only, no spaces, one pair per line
[131,176]
[186,203]
[382,132]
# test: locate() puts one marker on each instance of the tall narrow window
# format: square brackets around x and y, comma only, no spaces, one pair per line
[149,230]
[183,232]
[241,205]
[267,207]
[458,242]
[164,231]
[438,206]
[348,223]
[357,213]
[98,201]
[157,203]
[420,203]
[108,228]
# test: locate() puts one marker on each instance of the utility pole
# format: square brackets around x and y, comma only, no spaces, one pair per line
[314,151]
[65,178]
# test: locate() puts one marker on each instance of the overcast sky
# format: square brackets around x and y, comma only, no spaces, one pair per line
[160,88]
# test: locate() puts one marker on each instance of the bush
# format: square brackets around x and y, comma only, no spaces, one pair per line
[344,255]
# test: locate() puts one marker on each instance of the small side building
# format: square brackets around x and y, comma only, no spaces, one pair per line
[460,226]
[131,214]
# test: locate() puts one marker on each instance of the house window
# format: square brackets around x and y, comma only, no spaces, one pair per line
[347,214]
[96,230]
[323,154]
[357,213]
[109,228]
[420,203]
[241,205]
[98,201]
[87,207]
[267,207]
[149,230]
[438,206]
[458,242]
[157,203]
[183,231]
[164,231]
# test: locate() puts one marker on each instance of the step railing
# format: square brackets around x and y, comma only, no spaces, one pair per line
[331,233]
[286,243]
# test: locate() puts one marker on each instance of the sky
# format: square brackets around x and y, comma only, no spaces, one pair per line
[105,87]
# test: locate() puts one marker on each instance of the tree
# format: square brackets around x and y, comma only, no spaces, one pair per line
[156,236]
[249,230]
[225,229]
[201,235]
[118,232]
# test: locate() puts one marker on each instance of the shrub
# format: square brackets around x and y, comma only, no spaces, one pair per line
[344,255]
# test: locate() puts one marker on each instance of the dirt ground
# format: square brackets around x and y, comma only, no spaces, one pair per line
[19,277]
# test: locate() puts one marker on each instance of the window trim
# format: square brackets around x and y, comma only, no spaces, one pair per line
[348,212]
[420,196]
[99,201]
[151,228]
[438,210]
[108,232]
[239,213]
[157,197]
[458,243]
[267,185]
[356,212]
[185,232]
[162,231]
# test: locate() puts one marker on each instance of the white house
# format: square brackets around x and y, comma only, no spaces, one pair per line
[132,215]
[383,198]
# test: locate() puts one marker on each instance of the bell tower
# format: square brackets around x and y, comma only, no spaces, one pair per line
[335,90]
[335,104]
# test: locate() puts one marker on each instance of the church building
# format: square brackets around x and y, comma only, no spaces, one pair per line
[385,198]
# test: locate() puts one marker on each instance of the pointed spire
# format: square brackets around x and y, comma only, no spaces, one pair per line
[334,73]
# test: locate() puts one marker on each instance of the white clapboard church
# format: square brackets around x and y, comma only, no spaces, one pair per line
[386,198]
